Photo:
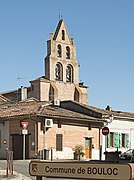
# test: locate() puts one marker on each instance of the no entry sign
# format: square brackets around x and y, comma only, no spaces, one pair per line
[105,131]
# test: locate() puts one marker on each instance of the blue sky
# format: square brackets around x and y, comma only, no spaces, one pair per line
[103,31]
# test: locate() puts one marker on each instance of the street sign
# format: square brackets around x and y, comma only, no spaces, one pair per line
[24,131]
[105,131]
[80,170]
[24,125]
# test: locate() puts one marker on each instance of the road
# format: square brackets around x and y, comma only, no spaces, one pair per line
[22,167]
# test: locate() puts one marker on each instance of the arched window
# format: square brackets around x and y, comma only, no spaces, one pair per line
[51,93]
[67,52]
[59,50]
[69,73]
[59,72]
[63,35]
[76,95]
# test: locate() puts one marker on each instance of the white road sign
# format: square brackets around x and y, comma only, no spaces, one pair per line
[24,131]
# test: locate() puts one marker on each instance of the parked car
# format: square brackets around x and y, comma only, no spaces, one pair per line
[127,155]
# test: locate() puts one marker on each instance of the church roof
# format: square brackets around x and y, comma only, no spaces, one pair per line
[57,29]
[61,26]
[42,78]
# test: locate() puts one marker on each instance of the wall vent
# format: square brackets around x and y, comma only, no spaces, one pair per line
[57,102]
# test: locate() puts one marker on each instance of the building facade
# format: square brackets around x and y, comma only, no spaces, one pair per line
[60,83]
[55,106]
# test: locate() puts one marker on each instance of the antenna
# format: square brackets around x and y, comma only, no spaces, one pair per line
[20,79]
[60,16]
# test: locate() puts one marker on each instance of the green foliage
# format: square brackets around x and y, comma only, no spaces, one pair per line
[79,150]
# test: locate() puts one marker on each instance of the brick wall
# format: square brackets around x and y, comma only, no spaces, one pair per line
[72,136]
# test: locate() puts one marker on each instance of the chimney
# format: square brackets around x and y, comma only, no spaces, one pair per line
[81,83]
[22,93]
[109,108]
[51,35]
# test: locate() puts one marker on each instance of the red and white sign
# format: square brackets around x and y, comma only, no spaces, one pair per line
[105,131]
[24,125]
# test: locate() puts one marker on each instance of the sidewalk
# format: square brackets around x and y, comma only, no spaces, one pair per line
[13,176]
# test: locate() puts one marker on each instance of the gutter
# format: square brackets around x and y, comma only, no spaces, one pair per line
[68,118]
[127,118]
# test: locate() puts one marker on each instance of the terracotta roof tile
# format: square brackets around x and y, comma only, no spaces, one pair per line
[23,108]
[105,113]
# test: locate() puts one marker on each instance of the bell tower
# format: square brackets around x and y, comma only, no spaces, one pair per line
[61,63]
[61,67]
[61,71]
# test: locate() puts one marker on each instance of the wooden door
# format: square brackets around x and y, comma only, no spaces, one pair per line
[88,148]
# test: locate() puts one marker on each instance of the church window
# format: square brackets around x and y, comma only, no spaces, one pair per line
[67,52]
[51,93]
[69,73]
[63,35]
[59,51]
[76,95]
[59,72]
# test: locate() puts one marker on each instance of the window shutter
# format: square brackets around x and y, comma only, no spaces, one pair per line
[59,138]
[127,140]
[120,140]
[108,141]
[116,140]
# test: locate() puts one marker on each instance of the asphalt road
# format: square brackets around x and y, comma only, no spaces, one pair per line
[19,166]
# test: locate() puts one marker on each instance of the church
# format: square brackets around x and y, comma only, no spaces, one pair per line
[61,70]
[54,109]
[56,98]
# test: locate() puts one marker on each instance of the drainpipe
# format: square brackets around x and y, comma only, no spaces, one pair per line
[100,145]
[36,152]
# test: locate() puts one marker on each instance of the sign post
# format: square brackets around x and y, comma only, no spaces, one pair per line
[24,132]
[105,132]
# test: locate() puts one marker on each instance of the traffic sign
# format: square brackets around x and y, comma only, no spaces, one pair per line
[105,131]
[80,170]
[24,125]
[24,131]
